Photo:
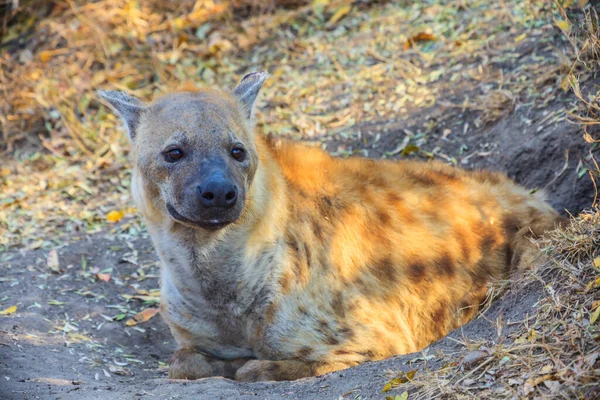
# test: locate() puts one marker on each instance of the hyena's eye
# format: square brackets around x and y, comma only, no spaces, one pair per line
[238,154]
[173,155]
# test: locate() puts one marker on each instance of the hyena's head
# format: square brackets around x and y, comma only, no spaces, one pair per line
[196,149]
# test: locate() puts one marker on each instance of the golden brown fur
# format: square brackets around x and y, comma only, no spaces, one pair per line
[331,262]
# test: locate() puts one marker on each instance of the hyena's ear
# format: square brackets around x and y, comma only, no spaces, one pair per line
[129,108]
[248,89]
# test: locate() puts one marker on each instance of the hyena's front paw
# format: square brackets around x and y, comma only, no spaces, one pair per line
[265,370]
[188,364]
[255,371]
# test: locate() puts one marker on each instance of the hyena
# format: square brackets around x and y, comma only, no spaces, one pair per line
[280,261]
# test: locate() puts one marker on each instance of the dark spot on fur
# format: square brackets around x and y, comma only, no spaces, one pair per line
[488,242]
[392,198]
[272,368]
[317,229]
[302,310]
[511,226]
[346,332]
[377,181]
[332,340]
[464,246]
[342,352]
[439,318]
[416,272]
[304,352]
[423,178]
[384,271]
[367,353]
[362,285]
[308,255]
[383,217]
[337,305]
[325,206]
[285,282]
[323,325]
[292,243]
[446,265]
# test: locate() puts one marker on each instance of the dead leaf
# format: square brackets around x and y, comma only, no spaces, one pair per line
[595,315]
[142,316]
[115,216]
[103,277]
[8,311]
[48,55]
[402,378]
[474,357]
[562,24]
[403,396]
[419,37]
[339,14]
[520,38]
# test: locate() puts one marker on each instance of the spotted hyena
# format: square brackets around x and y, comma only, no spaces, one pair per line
[281,262]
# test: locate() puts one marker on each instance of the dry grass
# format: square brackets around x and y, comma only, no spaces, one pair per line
[334,67]
[586,44]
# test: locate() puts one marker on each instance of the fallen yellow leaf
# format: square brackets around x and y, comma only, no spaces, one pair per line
[142,316]
[562,24]
[593,284]
[596,260]
[595,315]
[520,38]
[564,83]
[48,55]
[114,216]
[339,14]
[419,37]
[9,310]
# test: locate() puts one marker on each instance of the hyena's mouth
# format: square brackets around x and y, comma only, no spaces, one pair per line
[211,225]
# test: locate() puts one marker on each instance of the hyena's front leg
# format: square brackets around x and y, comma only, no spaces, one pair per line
[286,370]
[188,363]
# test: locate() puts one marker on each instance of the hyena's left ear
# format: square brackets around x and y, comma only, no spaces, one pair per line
[129,108]
[248,89]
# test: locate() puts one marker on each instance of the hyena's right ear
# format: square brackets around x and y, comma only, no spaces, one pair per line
[247,90]
[129,108]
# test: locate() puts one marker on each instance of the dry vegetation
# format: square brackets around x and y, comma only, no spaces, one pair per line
[335,65]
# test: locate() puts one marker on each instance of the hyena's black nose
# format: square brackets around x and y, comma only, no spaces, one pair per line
[217,193]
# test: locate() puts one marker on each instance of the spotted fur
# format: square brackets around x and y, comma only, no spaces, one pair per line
[331,262]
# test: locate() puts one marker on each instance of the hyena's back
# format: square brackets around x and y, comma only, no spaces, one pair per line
[386,257]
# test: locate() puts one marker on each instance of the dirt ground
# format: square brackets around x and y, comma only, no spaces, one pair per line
[69,337]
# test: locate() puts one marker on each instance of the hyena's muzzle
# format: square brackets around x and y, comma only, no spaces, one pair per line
[211,196]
